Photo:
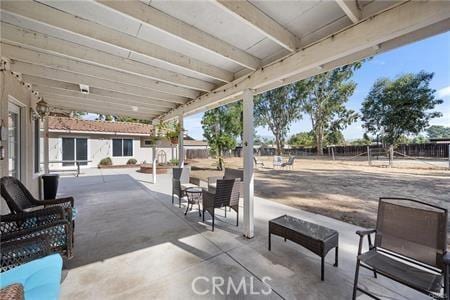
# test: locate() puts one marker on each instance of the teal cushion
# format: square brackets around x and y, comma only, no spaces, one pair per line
[74,213]
[40,278]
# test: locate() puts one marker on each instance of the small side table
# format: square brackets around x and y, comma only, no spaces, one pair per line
[194,196]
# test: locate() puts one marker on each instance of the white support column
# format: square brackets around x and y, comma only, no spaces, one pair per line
[46,147]
[181,142]
[248,165]
[154,165]
[155,124]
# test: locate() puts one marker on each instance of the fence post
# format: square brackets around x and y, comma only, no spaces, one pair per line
[448,156]
[368,156]
[332,153]
[391,156]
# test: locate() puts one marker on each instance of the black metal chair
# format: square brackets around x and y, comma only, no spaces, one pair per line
[50,222]
[226,195]
[410,247]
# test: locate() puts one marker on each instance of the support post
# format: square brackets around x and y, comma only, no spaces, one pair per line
[332,153]
[46,148]
[181,142]
[369,159]
[154,164]
[391,156]
[248,164]
[449,156]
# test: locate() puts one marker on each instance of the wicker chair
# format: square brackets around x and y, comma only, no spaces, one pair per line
[181,180]
[226,195]
[50,222]
[229,174]
[17,252]
[19,199]
[410,247]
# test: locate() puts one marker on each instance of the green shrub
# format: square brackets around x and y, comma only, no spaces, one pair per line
[107,161]
[174,162]
[131,161]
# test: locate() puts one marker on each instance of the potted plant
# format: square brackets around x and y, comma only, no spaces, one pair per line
[171,131]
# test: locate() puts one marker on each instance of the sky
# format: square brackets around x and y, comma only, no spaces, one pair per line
[430,55]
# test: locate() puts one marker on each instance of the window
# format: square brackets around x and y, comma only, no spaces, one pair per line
[74,149]
[122,147]
[37,146]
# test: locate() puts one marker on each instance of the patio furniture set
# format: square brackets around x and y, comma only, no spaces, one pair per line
[35,236]
[278,162]
[222,192]
[409,245]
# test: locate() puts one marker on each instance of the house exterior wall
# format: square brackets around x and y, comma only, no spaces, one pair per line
[99,147]
[12,90]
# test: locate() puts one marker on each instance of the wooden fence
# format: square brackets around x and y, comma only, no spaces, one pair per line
[196,153]
[428,150]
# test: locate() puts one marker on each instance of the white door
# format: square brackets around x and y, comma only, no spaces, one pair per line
[14,137]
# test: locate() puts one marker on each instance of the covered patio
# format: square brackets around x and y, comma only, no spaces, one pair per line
[161,61]
[132,243]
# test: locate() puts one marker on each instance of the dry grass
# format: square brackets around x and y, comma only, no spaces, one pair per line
[342,190]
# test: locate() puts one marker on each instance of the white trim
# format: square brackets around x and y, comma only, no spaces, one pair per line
[99,132]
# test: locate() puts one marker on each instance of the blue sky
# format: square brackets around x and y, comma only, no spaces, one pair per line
[431,55]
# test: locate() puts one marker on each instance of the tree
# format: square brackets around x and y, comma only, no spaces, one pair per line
[277,109]
[399,107]
[438,132]
[219,129]
[305,139]
[325,101]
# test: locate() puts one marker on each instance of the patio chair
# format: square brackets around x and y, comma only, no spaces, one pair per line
[19,199]
[228,174]
[289,164]
[30,270]
[225,195]
[181,181]
[277,161]
[258,163]
[410,247]
[50,222]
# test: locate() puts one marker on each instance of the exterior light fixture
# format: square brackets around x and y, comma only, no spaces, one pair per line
[42,108]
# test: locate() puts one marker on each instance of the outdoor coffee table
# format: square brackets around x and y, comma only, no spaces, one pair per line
[194,196]
[318,239]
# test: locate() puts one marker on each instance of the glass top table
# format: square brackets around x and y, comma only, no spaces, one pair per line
[194,196]
[316,238]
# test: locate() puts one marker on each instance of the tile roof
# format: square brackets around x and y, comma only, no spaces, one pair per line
[73,124]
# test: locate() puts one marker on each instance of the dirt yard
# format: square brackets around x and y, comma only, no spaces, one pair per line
[341,190]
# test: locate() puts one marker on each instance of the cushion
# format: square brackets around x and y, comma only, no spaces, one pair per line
[40,278]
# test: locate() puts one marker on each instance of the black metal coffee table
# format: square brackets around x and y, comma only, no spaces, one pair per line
[318,239]
[194,196]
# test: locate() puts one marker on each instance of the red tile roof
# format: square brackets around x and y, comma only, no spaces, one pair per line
[72,124]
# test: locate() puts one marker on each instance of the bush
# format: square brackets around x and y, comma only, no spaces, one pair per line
[131,161]
[174,162]
[107,161]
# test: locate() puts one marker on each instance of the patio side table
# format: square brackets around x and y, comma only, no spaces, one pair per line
[316,238]
[194,196]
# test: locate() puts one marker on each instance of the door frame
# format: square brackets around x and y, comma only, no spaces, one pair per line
[18,107]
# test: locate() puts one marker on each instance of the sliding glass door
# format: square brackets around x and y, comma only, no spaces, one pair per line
[74,149]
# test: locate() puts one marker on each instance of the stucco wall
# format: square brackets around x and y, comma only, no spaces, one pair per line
[12,90]
[99,147]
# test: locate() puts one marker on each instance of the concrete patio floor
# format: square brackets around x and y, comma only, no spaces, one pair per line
[132,243]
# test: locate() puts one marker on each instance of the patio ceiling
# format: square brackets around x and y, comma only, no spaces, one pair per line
[160,59]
